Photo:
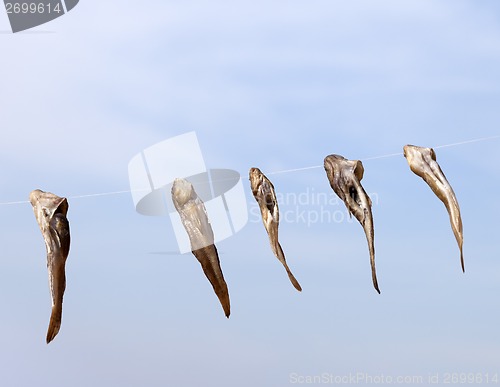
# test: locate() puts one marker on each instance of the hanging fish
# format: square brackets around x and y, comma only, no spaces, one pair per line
[422,162]
[195,220]
[263,191]
[345,179]
[50,212]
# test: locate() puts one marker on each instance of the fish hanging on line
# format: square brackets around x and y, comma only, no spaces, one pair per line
[195,220]
[422,162]
[263,191]
[345,179]
[50,212]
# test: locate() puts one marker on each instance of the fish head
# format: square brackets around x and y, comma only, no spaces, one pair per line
[255,176]
[35,196]
[182,192]
[47,204]
[416,155]
[331,164]
[412,153]
[335,163]
[254,172]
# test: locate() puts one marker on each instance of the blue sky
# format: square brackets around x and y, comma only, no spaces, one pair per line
[277,86]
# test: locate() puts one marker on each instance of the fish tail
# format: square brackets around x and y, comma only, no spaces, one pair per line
[460,240]
[224,300]
[220,289]
[456,225]
[293,280]
[281,257]
[375,283]
[209,260]
[55,322]
[372,264]
[374,271]
[368,228]
[462,259]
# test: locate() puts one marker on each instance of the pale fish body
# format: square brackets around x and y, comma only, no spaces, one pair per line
[422,162]
[263,191]
[345,179]
[195,220]
[50,212]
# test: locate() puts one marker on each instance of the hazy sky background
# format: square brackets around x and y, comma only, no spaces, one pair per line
[276,85]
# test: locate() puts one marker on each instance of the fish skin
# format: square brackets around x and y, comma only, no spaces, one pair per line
[209,260]
[422,162]
[50,212]
[263,191]
[195,220]
[345,179]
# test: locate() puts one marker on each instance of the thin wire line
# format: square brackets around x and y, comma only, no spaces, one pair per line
[467,142]
[99,194]
[294,170]
[78,196]
[390,154]
[275,172]
[9,203]
[321,166]
[383,157]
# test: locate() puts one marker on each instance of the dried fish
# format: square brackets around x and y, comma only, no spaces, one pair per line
[263,191]
[195,220]
[50,212]
[345,179]
[422,162]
